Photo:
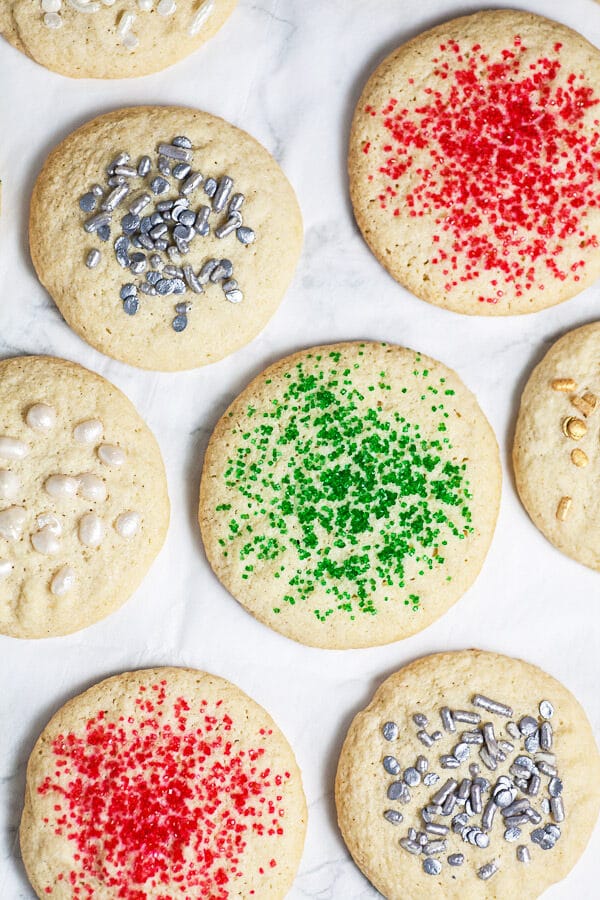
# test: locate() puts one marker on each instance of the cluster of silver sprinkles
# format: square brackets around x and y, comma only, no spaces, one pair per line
[474,806]
[155,235]
[52,19]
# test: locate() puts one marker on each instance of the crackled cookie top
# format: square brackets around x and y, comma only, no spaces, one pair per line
[163,783]
[183,235]
[350,493]
[469,773]
[82,488]
[475,163]
[110,38]
[557,440]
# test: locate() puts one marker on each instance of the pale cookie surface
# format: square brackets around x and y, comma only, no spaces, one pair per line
[108,39]
[166,236]
[163,783]
[556,452]
[420,827]
[350,493]
[84,507]
[470,167]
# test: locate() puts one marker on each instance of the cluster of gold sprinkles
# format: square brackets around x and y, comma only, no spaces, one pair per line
[353,491]
[52,19]
[575,429]
[469,806]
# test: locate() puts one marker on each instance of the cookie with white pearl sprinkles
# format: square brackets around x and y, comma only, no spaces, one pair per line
[469,775]
[179,235]
[167,783]
[84,507]
[110,38]
[350,493]
[556,452]
[473,169]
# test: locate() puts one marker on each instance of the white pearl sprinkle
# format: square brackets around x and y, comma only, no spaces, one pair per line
[88,432]
[63,581]
[84,6]
[49,521]
[200,17]
[45,542]
[166,7]
[145,5]
[61,486]
[12,522]
[41,417]
[6,568]
[10,485]
[51,6]
[128,524]
[52,20]
[91,530]
[91,487]
[111,455]
[125,23]
[11,448]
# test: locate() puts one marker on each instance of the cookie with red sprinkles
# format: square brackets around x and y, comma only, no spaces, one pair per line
[162,783]
[474,163]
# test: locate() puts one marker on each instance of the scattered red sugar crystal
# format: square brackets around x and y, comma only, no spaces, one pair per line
[511,166]
[147,804]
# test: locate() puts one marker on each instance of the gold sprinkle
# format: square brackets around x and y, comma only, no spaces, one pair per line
[574,428]
[562,510]
[579,458]
[566,385]
[585,404]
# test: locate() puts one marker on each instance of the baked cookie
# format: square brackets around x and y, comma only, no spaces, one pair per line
[166,236]
[82,487]
[473,172]
[162,783]
[108,39]
[350,493]
[555,452]
[469,775]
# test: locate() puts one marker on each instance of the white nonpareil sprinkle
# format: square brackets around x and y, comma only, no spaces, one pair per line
[200,17]
[52,20]
[145,5]
[126,23]
[166,7]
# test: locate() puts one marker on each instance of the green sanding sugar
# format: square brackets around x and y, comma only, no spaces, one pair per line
[351,493]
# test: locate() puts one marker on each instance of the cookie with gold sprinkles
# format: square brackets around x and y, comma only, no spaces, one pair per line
[555,453]
[350,493]
[108,39]
[165,783]
[469,776]
[474,163]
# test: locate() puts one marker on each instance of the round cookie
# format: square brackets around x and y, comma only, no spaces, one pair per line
[158,782]
[175,267]
[350,493]
[104,39]
[472,173]
[82,489]
[421,823]
[555,453]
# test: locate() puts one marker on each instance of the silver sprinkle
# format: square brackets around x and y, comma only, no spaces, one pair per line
[194,283]
[119,160]
[555,787]
[445,791]
[527,725]
[476,797]
[236,202]
[148,289]
[222,193]
[245,235]
[464,789]
[159,185]
[181,171]
[432,847]
[504,797]
[144,166]
[449,804]
[173,271]
[234,296]
[487,759]
[98,190]
[148,244]
[545,806]
[447,761]
[115,197]
[158,231]
[490,739]
[456,859]
[422,763]
[163,165]
[192,183]
[532,742]
[517,807]
[506,746]
[521,819]
[489,812]
[546,709]
[545,736]
[420,720]
[96,222]
[390,763]
[411,846]
[139,204]
[447,720]
[461,752]
[471,737]
[557,809]
[463,715]
[523,854]
[512,834]
[393,816]
[437,735]
[430,779]
[493,706]
[228,227]
[88,202]
[182,141]
[93,258]
[411,777]
[390,730]
[398,791]
[425,738]
[435,828]
[513,730]
[488,871]
[127,171]
[432,866]
[412,834]
[533,787]
[172,151]
[116,180]
[534,816]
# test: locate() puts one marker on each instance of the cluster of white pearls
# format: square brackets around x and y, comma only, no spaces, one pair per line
[52,18]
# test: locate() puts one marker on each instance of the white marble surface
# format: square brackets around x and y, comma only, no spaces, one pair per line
[288,71]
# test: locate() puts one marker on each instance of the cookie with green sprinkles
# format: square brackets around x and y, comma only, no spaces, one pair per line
[350,493]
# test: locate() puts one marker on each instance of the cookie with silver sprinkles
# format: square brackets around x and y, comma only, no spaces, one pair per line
[84,507]
[473,173]
[108,39]
[163,783]
[469,775]
[350,493]
[556,453]
[166,236]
